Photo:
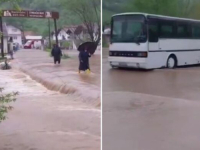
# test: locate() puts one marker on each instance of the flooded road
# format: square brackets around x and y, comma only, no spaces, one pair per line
[46,120]
[151,110]
[64,77]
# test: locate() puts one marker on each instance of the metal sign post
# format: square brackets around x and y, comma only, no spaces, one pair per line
[56,31]
[2,43]
[49,33]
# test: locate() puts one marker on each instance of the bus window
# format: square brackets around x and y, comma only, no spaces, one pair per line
[129,29]
[166,31]
[183,31]
[196,31]
[117,29]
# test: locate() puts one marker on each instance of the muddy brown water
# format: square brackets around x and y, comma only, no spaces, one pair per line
[46,120]
[65,77]
[150,110]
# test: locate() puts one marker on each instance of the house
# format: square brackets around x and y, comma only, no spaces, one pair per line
[75,34]
[106,36]
[82,33]
[64,33]
[15,33]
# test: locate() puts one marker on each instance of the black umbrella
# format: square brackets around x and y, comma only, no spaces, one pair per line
[90,46]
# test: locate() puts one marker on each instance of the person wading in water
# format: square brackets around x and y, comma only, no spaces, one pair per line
[56,53]
[84,61]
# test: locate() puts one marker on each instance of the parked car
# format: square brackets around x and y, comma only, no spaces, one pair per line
[29,44]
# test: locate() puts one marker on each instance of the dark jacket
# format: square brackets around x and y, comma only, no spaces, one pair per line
[56,52]
[84,61]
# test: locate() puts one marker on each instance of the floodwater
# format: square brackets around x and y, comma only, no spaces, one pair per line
[64,77]
[46,120]
[151,110]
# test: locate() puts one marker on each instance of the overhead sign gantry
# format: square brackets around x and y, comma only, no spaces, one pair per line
[29,14]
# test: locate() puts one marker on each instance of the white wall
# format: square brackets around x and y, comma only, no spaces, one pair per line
[13,30]
[15,33]
[17,39]
[5,42]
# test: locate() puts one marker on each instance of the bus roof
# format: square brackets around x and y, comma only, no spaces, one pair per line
[156,16]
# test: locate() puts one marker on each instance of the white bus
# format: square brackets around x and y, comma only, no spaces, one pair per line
[146,41]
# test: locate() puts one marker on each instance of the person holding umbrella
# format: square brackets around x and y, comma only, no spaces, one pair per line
[56,53]
[84,60]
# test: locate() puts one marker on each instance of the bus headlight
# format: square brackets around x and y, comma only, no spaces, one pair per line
[142,54]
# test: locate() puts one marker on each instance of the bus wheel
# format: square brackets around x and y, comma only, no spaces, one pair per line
[113,67]
[171,62]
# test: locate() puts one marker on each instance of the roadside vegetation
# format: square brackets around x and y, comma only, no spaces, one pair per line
[5,99]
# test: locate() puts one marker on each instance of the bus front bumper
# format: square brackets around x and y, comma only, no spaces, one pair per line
[128,62]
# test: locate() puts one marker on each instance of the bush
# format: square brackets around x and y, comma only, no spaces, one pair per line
[48,50]
[4,100]
[66,44]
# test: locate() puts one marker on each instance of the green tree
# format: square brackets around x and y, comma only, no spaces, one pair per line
[88,12]
[9,4]
[196,12]
[162,7]
[111,7]
[66,17]
[178,8]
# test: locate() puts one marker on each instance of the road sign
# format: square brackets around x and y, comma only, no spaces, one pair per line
[31,14]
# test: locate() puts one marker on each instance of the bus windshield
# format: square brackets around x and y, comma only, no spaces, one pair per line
[128,29]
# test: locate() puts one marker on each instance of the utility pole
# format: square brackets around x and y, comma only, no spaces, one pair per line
[2,44]
[23,35]
[49,33]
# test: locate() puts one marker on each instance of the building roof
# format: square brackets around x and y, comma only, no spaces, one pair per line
[67,29]
[34,37]
[71,28]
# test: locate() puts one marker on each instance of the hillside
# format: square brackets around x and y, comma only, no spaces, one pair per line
[111,7]
[179,8]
